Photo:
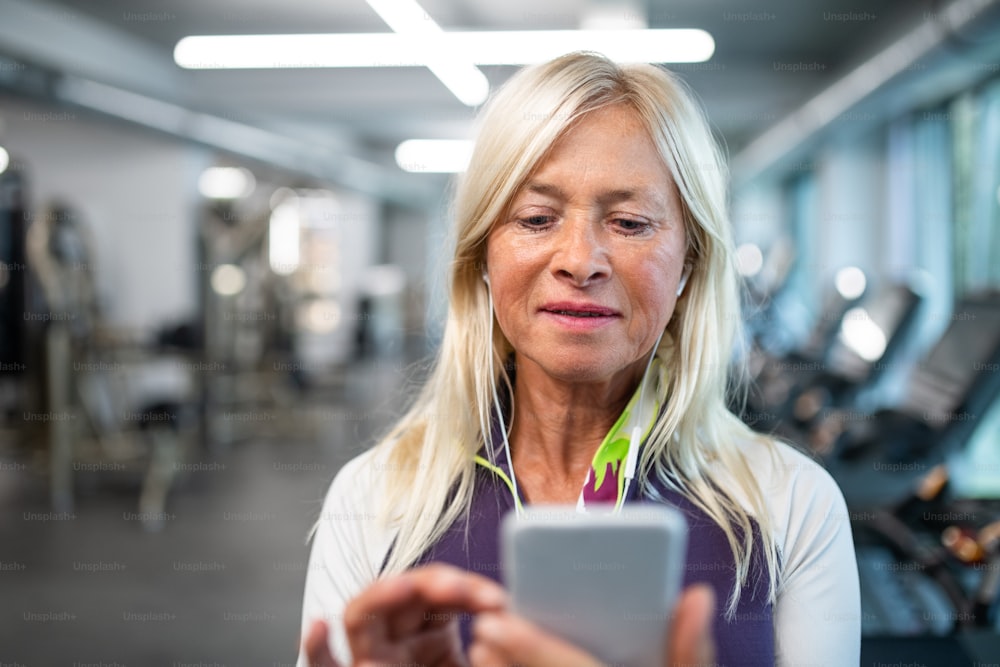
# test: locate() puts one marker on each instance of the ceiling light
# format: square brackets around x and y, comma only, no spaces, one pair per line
[465,82]
[434,156]
[226,182]
[461,77]
[415,50]
[4,159]
[284,237]
[529,46]
[404,16]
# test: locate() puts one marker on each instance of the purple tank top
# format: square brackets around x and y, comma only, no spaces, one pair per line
[473,543]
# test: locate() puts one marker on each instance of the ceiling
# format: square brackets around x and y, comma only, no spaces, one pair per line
[748,85]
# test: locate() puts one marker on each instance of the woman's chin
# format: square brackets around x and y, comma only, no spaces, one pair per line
[577,370]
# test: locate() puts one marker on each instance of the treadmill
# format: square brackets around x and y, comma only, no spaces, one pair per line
[928,596]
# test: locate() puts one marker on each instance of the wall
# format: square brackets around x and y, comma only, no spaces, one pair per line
[405,244]
[137,193]
[850,210]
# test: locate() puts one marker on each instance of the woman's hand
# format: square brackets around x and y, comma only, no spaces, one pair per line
[411,618]
[501,639]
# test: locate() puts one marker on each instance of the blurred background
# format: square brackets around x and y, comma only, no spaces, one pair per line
[222,268]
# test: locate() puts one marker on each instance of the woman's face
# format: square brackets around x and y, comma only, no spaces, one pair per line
[585,265]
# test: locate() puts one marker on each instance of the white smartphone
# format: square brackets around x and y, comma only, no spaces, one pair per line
[605,582]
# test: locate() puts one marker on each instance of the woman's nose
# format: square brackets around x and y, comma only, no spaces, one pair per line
[580,254]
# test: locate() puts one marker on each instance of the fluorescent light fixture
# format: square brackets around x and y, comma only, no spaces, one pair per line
[520,47]
[434,156]
[850,282]
[466,82]
[4,160]
[283,239]
[226,182]
[461,77]
[404,16]
[529,46]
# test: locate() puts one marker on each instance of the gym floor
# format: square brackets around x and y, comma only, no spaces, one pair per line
[220,584]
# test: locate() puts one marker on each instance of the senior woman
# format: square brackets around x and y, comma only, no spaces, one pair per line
[592,294]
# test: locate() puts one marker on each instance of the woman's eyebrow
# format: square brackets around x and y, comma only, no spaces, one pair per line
[610,197]
[615,196]
[547,189]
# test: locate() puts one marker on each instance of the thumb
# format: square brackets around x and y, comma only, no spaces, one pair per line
[691,641]
[316,646]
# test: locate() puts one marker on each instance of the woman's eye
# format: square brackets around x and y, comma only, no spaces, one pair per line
[632,227]
[536,221]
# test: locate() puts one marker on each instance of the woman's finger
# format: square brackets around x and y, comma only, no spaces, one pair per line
[396,607]
[510,639]
[443,585]
[691,640]
[406,621]
[484,655]
[367,617]
[505,639]
[317,646]
[440,645]
[435,585]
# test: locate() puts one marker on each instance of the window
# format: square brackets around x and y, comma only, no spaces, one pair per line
[975,119]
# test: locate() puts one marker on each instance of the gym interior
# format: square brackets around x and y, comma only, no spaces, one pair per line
[223,275]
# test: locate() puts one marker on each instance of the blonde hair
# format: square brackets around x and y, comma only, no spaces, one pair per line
[430,467]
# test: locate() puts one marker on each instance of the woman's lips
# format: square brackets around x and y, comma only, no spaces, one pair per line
[579,316]
[580,309]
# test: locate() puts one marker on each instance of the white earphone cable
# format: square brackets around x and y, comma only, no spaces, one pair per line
[496,405]
[631,459]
